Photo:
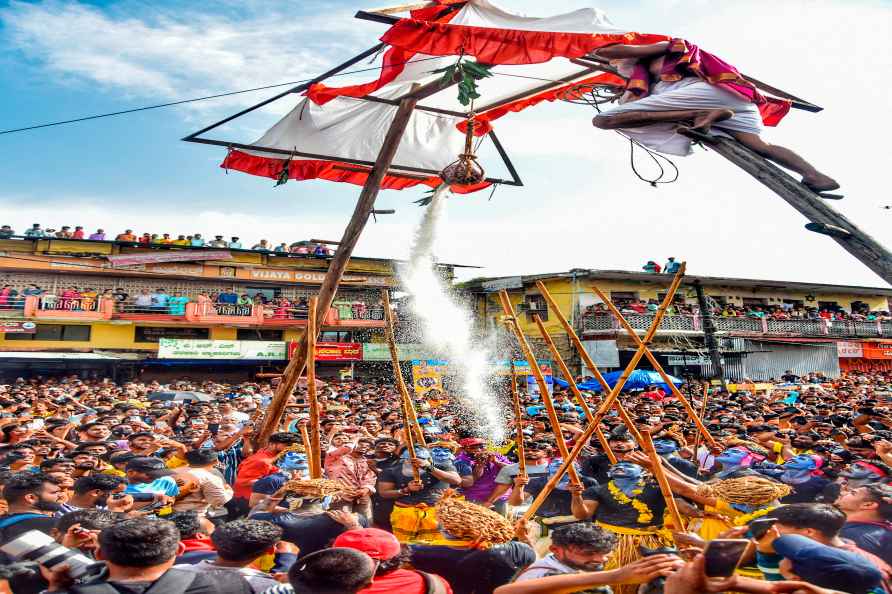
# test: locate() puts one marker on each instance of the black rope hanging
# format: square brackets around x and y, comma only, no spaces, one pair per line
[597,95]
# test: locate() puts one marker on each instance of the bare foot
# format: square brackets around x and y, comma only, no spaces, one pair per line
[704,122]
[819,183]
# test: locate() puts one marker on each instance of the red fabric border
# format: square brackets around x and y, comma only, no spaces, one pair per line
[502,46]
[303,169]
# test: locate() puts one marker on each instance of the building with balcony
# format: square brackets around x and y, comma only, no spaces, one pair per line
[103,306]
[763,327]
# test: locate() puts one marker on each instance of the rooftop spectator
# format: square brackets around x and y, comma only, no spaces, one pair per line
[235,244]
[218,242]
[197,240]
[652,267]
[671,266]
[98,236]
[180,240]
[78,233]
[127,235]
[35,231]
[6,232]
[64,232]
[282,248]
[263,246]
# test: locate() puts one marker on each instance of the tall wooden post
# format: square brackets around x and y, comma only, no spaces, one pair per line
[712,345]
[540,380]
[408,408]
[312,397]
[701,428]
[338,264]
[518,422]
[855,241]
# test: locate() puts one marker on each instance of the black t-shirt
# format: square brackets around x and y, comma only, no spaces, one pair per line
[611,511]
[806,492]
[310,533]
[596,467]
[433,487]
[473,571]
[558,503]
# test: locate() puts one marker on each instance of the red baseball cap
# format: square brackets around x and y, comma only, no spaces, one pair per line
[377,544]
[471,441]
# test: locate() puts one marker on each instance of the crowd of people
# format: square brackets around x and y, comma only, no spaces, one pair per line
[173,302]
[36,231]
[180,494]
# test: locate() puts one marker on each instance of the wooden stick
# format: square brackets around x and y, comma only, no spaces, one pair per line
[352,232]
[305,437]
[390,336]
[657,464]
[540,380]
[573,387]
[405,403]
[401,8]
[657,367]
[608,400]
[702,414]
[312,398]
[518,421]
[587,361]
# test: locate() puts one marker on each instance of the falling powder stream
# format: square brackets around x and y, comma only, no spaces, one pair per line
[446,326]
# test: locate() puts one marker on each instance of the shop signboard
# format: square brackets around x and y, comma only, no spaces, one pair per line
[18,327]
[850,349]
[379,351]
[427,375]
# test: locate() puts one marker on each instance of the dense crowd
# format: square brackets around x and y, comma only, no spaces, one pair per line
[305,248]
[792,496]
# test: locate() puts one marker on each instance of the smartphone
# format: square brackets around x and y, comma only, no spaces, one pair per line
[722,556]
[141,496]
[759,527]
[213,428]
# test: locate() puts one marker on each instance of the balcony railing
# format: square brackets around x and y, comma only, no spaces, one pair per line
[850,328]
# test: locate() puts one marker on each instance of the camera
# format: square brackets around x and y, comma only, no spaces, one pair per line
[39,548]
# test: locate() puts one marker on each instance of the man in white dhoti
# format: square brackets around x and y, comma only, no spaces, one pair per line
[672,83]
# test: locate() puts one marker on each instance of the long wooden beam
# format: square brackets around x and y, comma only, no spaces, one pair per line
[339,262]
[405,402]
[701,428]
[540,380]
[312,398]
[518,422]
[659,474]
[862,246]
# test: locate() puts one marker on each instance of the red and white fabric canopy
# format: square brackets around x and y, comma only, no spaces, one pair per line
[531,60]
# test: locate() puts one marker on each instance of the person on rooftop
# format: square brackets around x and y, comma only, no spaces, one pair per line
[235,243]
[197,240]
[127,235]
[218,242]
[35,231]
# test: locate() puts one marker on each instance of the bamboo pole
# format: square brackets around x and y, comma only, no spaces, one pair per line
[702,414]
[518,422]
[390,336]
[573,387]
[701,428]
[608,400]
[305,437]
[657,470]
[587,361]
[352,232]
[312,397]
[540,380]
[400,383]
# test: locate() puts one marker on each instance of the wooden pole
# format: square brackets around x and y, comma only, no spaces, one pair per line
[518,422]
[305,437]
[702,414]
[858,243]
[408,405]
[574,388]
[405,402]
[339,262]
[312,397]
[540,380]
[656,365]
[657,469]
[587,361]
[608,400]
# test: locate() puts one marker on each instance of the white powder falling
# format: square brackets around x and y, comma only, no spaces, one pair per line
[446,326]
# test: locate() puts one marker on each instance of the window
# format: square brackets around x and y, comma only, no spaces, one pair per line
[535,305]
[268,293]
[58,332]
[336,337]
[152,334]
[258,334]
[622,297]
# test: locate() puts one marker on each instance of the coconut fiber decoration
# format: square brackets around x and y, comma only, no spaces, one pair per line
[315,488]
[469,521]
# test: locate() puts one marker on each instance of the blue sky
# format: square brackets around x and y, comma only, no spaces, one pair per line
[581,207]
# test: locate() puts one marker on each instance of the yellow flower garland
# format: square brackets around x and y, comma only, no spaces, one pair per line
[747,518]
[645,514]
